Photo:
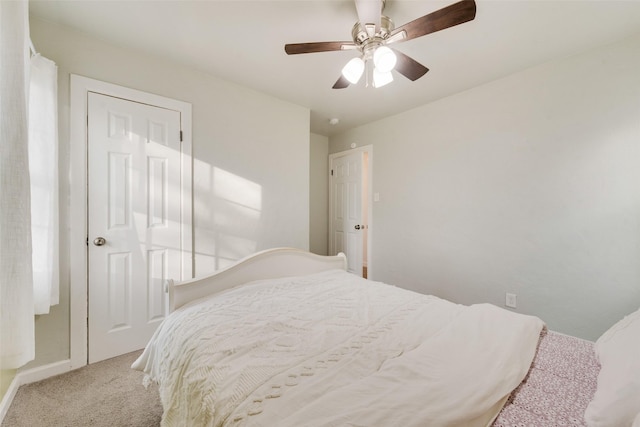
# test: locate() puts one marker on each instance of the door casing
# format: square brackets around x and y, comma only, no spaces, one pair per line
[80,87]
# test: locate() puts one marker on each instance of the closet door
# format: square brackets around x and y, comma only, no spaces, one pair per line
[133,219]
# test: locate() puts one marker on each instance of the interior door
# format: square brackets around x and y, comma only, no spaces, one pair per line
[347,228]
[133,221]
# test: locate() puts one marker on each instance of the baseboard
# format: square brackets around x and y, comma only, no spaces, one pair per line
[30,376]
[8,398]
[571,336]
[43,372]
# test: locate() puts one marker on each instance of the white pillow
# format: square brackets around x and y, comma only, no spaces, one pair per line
[616,402]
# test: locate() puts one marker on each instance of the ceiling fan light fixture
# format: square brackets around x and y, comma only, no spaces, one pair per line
[384,59]
[381,78]
[353,70]
[374,31]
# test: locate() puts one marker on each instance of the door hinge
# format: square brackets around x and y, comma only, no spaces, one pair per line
[331,172]
[180,136]
[87,241]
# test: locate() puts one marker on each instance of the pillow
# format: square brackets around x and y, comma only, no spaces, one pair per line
[616,402]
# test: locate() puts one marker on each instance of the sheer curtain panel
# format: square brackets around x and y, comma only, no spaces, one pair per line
[16,284]
[43,170]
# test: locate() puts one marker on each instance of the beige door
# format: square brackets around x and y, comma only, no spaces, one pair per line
[133,221]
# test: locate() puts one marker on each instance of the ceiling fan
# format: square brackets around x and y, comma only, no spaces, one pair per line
[374,31]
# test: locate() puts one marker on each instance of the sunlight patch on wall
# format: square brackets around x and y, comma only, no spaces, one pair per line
[236,189]
[228,213]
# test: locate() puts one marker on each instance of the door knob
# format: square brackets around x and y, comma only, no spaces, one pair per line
[99,241]
[357,227]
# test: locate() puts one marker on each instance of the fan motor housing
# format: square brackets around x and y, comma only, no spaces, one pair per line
[364,35]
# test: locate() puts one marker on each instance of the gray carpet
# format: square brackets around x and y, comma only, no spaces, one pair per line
[105,394]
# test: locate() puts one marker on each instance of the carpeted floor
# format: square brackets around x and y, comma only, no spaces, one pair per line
[105,394]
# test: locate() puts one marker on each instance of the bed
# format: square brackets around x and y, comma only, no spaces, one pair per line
[288,338]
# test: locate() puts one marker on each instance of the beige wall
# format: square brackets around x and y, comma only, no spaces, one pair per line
[6,376]
[241,139]
[319,191]
[529,184]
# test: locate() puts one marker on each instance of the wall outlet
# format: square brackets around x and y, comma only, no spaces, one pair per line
[510,300]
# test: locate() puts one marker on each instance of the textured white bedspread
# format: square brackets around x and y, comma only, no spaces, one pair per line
[333,349]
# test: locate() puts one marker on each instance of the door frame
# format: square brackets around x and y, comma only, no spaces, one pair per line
[369,194]
[78,274]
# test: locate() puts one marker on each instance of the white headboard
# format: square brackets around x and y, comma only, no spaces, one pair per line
[268,264]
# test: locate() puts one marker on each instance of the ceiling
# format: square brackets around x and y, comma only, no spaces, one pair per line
[243,42]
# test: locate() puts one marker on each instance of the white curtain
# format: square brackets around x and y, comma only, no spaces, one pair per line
[17,340]
[43,169]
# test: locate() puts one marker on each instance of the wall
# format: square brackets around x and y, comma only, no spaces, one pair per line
[246,198]
[319,195]
[6,376]
[529,184]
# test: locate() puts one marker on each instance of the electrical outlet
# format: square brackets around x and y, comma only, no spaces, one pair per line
[510,300]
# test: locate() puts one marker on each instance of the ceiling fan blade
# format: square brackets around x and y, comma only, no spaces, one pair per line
[297,48]
[409,67]
[449,16]
[369,12]
[341,83]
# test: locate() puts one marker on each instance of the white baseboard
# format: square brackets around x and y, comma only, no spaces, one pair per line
[8,398]
[43,372]
[30,376]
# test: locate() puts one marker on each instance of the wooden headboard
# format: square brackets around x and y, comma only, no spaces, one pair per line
[268,264]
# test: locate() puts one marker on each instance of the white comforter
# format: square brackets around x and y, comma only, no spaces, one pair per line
[332,349]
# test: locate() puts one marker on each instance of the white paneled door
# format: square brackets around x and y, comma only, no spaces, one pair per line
[346,225]
[133,221]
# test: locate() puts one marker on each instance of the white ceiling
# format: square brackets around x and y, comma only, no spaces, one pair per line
[243,42]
